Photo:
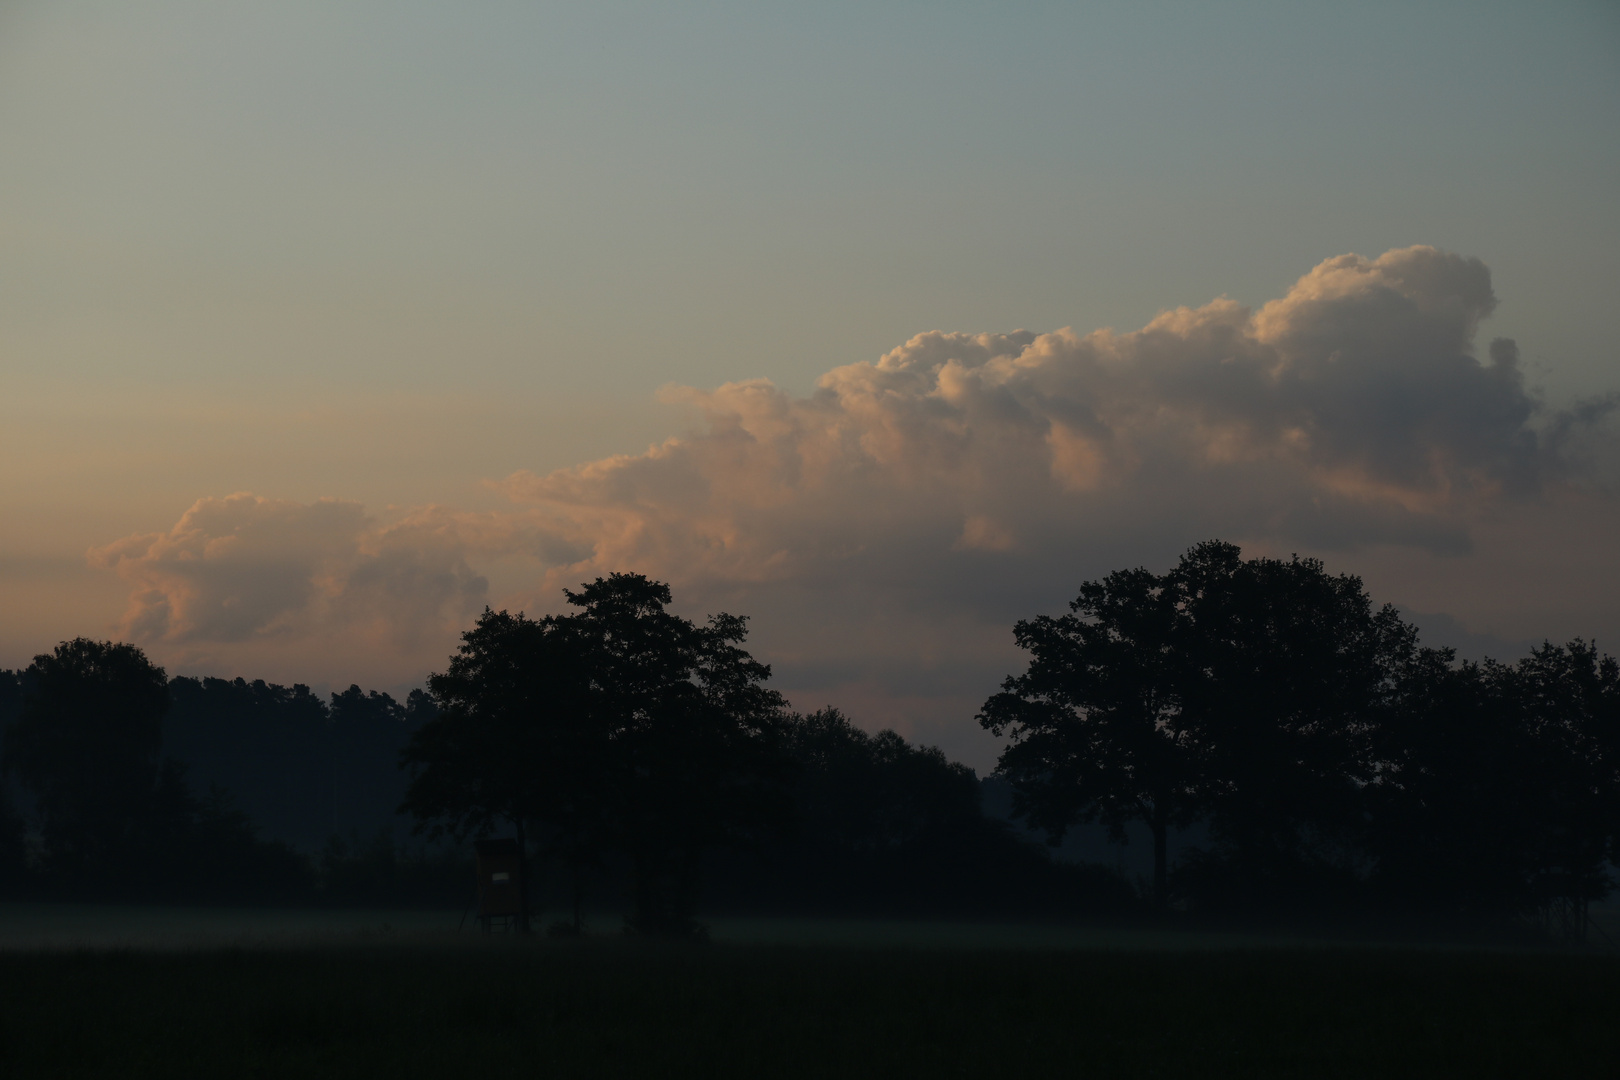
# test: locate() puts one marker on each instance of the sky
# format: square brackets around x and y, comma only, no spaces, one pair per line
[322,326]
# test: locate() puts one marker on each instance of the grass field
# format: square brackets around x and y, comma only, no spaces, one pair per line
[438,1006]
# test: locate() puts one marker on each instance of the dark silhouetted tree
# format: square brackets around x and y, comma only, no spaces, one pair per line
[1285,672]
[87,747]
[693,733]
[1498,784]
[1095,722]
[13,850]
[514,741]
[882,826]
[367,732]
[1570,698]
[620,725]
[115,817]
[11,698]
[271,746]
[302,769]
[873,793]
[1241,692]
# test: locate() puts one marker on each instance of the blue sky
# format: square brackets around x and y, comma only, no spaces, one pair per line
[611,196]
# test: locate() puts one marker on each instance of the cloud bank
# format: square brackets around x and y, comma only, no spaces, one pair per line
[881,526]
[244,568]
[1352,410]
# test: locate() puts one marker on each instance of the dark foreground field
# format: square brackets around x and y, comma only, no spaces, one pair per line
[617,1008]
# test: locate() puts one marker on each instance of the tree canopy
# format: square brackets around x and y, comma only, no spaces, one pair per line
[113,814]
[1097,721]
[1323,749]
[620,726]
[87,745]
[1261,709]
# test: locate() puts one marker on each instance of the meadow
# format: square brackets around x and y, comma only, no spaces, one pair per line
[420,1000]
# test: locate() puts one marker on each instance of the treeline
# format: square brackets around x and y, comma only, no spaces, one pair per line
[123,785]
[303,769]
[105,814]
[119,783]
[1334,762]
[621,737]
[1328,762]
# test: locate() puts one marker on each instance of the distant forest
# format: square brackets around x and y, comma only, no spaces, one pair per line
[1326,762]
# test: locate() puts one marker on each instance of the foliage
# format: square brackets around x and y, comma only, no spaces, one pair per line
[1499,782]
[303,769]
[1328,754]
[883,827]
[622,726]
[692,734]
[1332,761]
[86,746]
[114,817]
[1096,720]
[513,742]
[13,843]
[873,793]
[1288,672]
[508,708]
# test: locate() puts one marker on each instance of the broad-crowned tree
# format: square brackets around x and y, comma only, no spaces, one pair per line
[87,744]
[1095,721]
[1241,692]
[1286,672]
[512,742]
[693,727]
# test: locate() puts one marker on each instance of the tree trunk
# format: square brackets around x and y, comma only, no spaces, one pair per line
[578,928]
[1161,858]
[523,876]
[646,895]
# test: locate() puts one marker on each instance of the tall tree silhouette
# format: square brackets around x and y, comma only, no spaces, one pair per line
[117,819]
[692,730]
[621,724]
[1499,783]
[366,733]
[1096,724]
[1241,692]
[13,851]
[1570,698]
[514,741]
[1286,672]
[87,746]
[269,744]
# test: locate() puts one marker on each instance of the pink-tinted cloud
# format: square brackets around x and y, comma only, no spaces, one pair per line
[242,567]
[1352,410]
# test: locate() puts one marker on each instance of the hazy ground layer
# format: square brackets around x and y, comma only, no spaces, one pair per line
[57,927]
[61,927]
[621,1008]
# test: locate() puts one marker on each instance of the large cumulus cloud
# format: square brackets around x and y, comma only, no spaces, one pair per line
[1351,410]
[886,527]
